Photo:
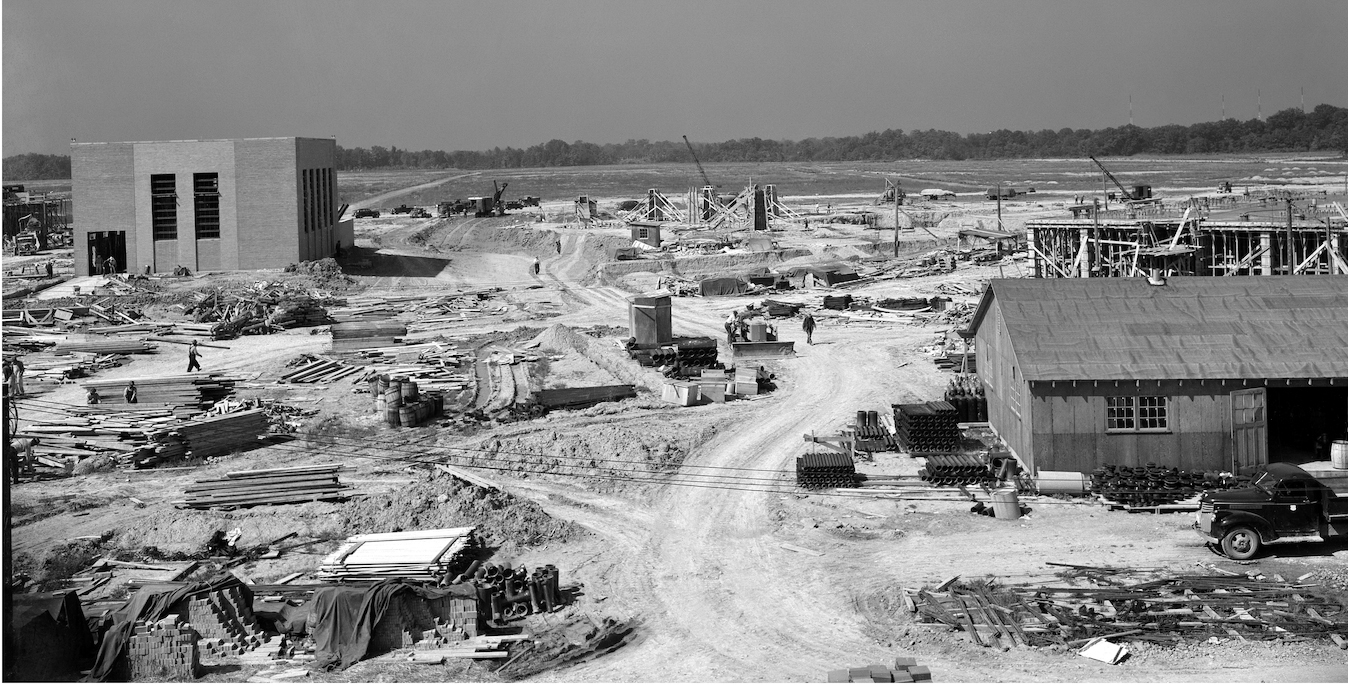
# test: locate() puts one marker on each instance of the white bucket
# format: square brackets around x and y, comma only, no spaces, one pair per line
[1338,454]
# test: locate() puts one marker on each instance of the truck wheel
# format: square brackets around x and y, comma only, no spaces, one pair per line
[1240,543]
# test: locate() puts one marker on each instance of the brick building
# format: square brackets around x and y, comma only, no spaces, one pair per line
[248,203]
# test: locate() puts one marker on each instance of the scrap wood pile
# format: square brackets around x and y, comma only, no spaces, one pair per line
[65,367]
[267,486]
[956,361]
[435,366]
[428,555]
[956,313]
[259,308]
[1167,608]
[94,431]
[311,369]
[371,308]
[189,390]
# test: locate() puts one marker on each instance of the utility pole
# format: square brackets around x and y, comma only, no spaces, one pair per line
[11,633]
[999,205]
[896,222]
[1288,250]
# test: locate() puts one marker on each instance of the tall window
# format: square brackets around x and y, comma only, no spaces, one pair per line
[164,206]
[206,204]
[1147,413]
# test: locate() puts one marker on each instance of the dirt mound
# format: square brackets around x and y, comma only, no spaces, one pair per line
[505,236]
[507,522]
[602,351]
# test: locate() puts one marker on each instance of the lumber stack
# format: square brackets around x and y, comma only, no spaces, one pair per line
[321,371]
[351,336]
[267,486]
[191,390]
[1167,609]
[215,435]
[105,346]
[577,398]
[926,427]
[429,555]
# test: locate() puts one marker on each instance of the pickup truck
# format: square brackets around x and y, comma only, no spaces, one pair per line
[1282,504]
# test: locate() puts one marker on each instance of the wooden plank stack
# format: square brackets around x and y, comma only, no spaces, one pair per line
[320,371]
[1166,609]
[111,346]
[267,486]
[215,435]
[192,390]
[575,398]
[416,555]
[352,336]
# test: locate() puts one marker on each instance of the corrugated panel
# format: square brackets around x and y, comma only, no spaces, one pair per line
[1192,327]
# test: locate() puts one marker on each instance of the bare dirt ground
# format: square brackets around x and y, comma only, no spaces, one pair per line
[699,567]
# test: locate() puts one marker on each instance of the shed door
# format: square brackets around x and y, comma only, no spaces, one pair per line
[1249,429]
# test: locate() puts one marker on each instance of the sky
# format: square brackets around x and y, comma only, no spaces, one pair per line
[446,75]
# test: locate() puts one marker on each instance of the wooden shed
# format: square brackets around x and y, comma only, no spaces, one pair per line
[1196,372]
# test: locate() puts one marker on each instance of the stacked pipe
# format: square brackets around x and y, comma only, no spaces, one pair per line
[1153,485]
[819,470]
[400,403]
[870,435]
[966,395]
[927,427]
[957,469]
[697,353]
[513,593]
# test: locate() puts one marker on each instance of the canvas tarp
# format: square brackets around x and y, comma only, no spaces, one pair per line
[721,286]
[343,618]
[52,636]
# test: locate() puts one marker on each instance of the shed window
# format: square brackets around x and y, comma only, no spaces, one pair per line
[643,233]
[206,204]
[164,206]
[1144,413]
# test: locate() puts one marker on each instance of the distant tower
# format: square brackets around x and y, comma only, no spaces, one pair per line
[1223,106]
[1259,104]
[1130,110]
[1303,100]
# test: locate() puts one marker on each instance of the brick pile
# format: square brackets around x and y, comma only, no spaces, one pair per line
[905,670]
[225,622]
[412,621]
[163,650]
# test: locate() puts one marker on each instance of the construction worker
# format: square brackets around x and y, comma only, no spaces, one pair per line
[92,397]
[537,266]
[192,363]
[110,266]
[807,325]
[730,320]
[16,383]
[559,246]
[130,392]
[23,457]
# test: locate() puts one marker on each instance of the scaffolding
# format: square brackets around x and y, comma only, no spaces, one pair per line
[656,207]
[1191,245]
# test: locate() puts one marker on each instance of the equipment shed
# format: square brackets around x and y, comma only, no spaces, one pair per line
[1192,372]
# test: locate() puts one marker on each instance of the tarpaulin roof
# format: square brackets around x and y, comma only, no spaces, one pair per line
[1194,327]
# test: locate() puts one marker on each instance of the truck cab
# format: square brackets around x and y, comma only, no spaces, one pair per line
[1282,504]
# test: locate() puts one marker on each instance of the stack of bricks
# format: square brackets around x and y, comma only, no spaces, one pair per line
[164,650]
[412,621]
[905,670]
[226,623]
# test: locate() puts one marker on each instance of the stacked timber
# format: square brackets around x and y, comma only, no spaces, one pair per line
[215,435]
[321,371]
[189,390]
[428,555]
[352,336]
[927,427]
[579,398]
[267,486]
[105,346]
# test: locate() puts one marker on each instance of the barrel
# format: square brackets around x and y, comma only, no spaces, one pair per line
[407,416]
[1338,454]
[391,417]
[409,390]
[393,397]
[1062,483]
[1005,503]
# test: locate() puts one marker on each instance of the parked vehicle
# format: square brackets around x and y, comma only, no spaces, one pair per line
[419,213]
[401,209]
[1282,504]
[367,213]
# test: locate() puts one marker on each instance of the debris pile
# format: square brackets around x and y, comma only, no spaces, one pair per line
[267,486]
[258,309]
[926,427]
[1165,609]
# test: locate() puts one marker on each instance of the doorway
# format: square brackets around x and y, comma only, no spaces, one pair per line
[1298,417]
[105,244]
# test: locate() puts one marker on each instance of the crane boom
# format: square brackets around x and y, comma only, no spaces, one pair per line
[700,170]
[1127,195]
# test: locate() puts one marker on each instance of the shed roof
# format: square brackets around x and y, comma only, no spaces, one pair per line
[1196,327]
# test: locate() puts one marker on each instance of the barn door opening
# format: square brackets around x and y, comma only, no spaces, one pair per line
[1249,430]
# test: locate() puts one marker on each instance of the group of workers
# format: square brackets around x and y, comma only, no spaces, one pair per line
[737,329]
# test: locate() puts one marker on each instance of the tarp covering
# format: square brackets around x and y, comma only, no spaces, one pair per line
[721,286]
[53,638]
[151,603]
[343,618]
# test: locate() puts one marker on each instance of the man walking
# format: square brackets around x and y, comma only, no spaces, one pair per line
[536,266]
[192,363]
[130,392]
[807,325]
[17,381]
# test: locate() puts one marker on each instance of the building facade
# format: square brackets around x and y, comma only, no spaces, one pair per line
[207,205]
[1206,374]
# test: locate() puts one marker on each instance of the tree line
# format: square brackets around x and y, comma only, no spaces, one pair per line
[1290,130]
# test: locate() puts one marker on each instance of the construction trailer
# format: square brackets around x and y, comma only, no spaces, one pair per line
[1203,374]
[647,232]
[1185,245]
[238,204]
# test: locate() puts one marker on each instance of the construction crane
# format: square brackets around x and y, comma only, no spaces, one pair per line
[705,181]
[1139,193]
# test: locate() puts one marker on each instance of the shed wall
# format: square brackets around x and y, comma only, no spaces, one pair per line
[1003,385]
